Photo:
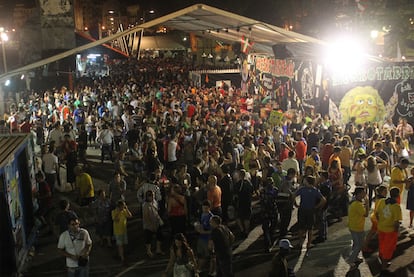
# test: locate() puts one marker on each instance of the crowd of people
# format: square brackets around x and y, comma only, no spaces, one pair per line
[198,157]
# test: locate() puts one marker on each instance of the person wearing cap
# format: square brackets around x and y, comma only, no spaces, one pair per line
[357,212]
[389,216]
[313,159]
[280,267]
[399,176]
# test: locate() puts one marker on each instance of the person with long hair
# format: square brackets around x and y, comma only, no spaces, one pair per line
[182,262]
[374,179]
[151,223]
[402,150]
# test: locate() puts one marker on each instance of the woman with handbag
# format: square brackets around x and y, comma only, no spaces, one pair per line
[182,262]
[151,224]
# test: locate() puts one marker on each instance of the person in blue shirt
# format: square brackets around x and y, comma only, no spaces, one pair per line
[268,195]
[204,229]
[311,199]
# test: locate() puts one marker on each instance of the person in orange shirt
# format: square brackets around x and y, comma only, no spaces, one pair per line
[335,156]
[214,195]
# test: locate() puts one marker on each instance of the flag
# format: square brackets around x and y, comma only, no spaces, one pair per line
[193,42]
[246,44]
[206,78]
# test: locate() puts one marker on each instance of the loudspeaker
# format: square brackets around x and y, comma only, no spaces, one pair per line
[281,52]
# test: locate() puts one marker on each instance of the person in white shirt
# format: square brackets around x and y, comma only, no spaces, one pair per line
[128,122]
[50,166]
[290,162]
[75,244]
[105,138]
[56,135]
[149,184]
[172,155]
[249,103]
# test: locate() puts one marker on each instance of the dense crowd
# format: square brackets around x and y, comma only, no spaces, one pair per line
[198,157]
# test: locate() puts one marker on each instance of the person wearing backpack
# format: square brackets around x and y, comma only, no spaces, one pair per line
[221,241]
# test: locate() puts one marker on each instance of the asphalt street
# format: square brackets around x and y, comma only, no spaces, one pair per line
[325,259]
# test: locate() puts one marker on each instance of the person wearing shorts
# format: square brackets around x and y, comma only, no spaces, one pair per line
[389,216]
[119,217]
[309,195]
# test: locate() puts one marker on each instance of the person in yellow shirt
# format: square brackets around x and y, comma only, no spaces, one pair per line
[381,193]
[119,216]
[85,185]
[357,212]
[399,176]
[335,156]
[389,215]
[345,156]
[314,160]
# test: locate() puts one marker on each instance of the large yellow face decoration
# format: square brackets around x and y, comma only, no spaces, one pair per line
[363,103]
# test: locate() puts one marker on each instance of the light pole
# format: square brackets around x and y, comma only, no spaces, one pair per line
[142,30]
[4,38]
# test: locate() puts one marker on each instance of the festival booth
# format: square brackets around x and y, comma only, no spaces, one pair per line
[17,181]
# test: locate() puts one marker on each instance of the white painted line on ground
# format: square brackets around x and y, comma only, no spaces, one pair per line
[130,268]
[302,255]
[251,238]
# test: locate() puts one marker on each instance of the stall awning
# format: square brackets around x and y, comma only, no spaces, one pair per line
[9,144]
[207,21]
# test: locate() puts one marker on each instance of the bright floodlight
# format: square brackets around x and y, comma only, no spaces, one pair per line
[7,83]
[374,34]
[4,37]
[344,54]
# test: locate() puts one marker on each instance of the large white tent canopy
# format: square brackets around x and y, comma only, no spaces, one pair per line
[207,21]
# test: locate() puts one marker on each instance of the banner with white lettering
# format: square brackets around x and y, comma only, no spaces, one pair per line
[374,93]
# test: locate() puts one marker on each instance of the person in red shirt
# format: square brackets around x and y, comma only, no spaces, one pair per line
[326,152]
[26,126]
[284,152]
[301,148]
